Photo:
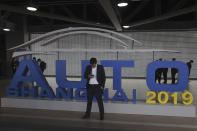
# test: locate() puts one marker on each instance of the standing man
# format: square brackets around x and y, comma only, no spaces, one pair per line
[173,72]
[95,75]
[42,65]
[159,72]
[156,75]
[189,65]
[14,65]
[165,75]
[34,58]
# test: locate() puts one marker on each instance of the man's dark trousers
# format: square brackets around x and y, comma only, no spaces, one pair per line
[94,90]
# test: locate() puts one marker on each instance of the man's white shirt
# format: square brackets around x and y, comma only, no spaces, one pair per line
[94,80]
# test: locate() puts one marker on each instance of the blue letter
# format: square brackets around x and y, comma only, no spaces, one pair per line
[35,76]
[61,75]
[120,95]
[81,94]
[117,65]
[182,72]
[26,91]
[67,94]
[134,96]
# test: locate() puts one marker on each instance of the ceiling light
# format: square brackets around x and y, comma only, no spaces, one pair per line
[31,7]
[126,26]
[122,4]
[6,29]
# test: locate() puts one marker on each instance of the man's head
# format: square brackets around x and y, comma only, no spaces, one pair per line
[34,58]
[93,62]
[39,60]
[191,61]
[173,59]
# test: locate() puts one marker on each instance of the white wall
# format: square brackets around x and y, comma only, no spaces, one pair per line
[180,41]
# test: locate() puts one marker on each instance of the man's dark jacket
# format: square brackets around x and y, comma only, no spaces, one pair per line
[100,75]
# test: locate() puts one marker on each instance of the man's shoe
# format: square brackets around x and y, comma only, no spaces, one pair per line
[85,117]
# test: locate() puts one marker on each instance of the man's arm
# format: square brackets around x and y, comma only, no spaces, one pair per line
[103,76]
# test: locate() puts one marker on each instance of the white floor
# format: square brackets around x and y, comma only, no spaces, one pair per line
[110,107]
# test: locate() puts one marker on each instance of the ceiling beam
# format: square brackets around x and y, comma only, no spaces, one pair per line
[165,16]
[118,14]
[132,14]
[21,10]
[107,6]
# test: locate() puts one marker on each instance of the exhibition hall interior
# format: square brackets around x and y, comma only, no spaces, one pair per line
[102,65]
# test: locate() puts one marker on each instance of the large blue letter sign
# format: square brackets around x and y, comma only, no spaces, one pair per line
[29,73]
[182,75]
[21,76]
